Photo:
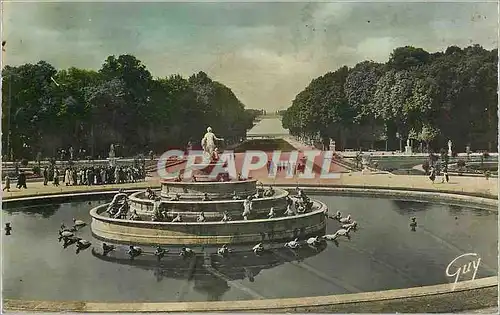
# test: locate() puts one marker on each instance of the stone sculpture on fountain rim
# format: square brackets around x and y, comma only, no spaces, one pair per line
[208,143]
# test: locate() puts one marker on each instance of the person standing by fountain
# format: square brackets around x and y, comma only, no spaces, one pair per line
[55,181]
[208,143]
[67,176]
[45,176]
[21,180]
[432,176]
[446,176]
[215,155]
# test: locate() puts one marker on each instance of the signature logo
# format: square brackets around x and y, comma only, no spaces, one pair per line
[456,269]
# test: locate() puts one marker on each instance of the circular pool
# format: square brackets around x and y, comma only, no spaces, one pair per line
[382,254]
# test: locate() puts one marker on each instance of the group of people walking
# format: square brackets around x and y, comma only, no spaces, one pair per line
[434,172]
[21,182]
[95,175]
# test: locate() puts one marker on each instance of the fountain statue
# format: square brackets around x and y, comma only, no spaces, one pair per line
[408,148]
[208,143]
[207,206]
[112,156]
[112,151]
[332,145]
[449,148]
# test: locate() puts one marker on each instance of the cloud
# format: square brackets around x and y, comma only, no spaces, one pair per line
[377,49]
[266,52]
[262,77]
[334,12]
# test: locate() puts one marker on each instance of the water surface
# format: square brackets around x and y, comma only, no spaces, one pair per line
[382,254]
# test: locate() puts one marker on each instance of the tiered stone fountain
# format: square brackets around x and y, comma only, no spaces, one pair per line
[212,231]
[151,219]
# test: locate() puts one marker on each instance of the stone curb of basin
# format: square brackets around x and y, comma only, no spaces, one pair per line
[466,295]
[478,201]
[470,199]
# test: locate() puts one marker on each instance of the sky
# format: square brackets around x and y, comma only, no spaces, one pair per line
[265,52]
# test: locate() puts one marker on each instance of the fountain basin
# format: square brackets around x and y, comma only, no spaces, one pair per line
[207,233]
[174,266]
[413,263]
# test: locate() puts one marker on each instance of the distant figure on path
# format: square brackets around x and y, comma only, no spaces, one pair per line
[67,177]
[21,180]
[7,183]
[432,176]
[45,176]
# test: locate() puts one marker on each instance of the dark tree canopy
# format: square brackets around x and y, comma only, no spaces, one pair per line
[427,97]
[121,103]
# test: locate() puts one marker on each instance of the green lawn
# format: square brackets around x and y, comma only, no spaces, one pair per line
[397,164]
[264,145]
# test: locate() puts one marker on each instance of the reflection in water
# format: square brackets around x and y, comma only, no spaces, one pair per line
[455,210]
[8,228]
[212,274]
[46,211]
[213,287]
[383,254]
[406,207]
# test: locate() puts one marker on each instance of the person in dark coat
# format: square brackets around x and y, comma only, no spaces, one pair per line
[45,176]
[432,176]
[56,177]
[21,180]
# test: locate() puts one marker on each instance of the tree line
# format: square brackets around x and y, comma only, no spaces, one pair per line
[45,109]
[429,98]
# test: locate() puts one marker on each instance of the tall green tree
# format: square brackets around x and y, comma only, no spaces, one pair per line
[451,93]
[360,88]
[121,104]
[28,110]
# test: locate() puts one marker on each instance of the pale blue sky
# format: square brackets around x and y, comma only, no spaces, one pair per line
[265,52]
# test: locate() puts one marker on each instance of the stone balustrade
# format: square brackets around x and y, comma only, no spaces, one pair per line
[214,190]
[139,203]
[190,216]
